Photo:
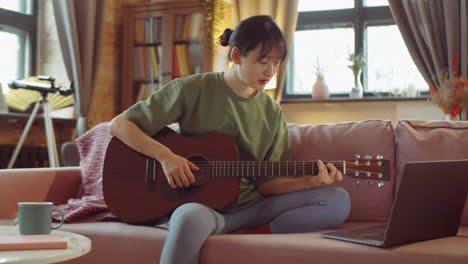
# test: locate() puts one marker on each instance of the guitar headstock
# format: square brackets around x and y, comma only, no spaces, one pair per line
[368,168]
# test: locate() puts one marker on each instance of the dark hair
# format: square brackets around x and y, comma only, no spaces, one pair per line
[254,31]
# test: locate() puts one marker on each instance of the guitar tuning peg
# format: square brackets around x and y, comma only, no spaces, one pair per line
[368,157]
[368,163]
[380,184]
[379,175]
[368,174]
[379,163]
[379,157]
[371,182]
[356,173]
[357,156]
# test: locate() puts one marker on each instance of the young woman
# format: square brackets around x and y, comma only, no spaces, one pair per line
[233,102]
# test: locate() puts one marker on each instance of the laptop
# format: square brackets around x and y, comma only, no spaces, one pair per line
[428,205]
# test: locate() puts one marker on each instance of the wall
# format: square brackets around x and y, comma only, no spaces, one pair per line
[334,112]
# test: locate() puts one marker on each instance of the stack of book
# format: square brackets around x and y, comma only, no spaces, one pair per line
[32,242]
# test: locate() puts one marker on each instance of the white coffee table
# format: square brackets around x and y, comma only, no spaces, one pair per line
[78,245]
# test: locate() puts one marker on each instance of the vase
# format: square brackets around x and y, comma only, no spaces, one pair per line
[320,89]
[357,91]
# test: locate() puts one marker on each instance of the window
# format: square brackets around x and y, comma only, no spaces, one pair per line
[17,40]
[328,32]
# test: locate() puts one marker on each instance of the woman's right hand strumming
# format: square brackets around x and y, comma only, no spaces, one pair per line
[178,170]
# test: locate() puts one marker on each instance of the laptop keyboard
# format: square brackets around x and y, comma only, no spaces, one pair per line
[376,236]
[367,233]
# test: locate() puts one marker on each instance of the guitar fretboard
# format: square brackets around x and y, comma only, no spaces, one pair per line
[236,169]
[225,169]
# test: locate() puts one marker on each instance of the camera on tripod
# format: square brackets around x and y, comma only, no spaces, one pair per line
[43,88]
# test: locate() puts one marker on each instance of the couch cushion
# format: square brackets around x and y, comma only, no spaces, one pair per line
[420,140]
[340,142]
[114,242]
[121,243]
[311,248]
[35,185]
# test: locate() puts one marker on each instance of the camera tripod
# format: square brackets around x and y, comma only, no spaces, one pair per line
[49,129]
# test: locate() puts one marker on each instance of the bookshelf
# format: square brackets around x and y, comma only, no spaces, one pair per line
[162,40]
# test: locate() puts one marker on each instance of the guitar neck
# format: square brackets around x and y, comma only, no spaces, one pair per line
[224,169]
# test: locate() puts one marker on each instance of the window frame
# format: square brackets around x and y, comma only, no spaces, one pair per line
[15,22]
[359,18]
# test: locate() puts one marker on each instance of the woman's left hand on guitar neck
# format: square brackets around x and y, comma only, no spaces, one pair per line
[328,174]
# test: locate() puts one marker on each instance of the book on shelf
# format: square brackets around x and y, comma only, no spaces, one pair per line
[154,61]
[185,24]
[179,22]
[182,58]
[157,24]
[196,31]
[139,28]
[32,242]
[137,68]
[180,61]
[186,27]
[146,62]
[175,63]
[148,30]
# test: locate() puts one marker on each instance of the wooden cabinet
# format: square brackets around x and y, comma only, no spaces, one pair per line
[162,40]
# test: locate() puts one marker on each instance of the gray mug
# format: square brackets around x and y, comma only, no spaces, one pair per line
[35,218]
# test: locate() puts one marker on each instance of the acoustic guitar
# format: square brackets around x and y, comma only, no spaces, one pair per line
[136,190]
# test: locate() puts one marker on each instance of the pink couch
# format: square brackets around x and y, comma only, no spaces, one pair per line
[115,242]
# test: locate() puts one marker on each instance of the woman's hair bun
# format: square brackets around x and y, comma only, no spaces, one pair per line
[224,38]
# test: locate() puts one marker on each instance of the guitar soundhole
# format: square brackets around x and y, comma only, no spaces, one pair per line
[201,177]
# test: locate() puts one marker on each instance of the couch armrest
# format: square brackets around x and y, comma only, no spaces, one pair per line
[55,185]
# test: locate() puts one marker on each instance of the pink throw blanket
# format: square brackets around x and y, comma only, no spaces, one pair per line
[91,206]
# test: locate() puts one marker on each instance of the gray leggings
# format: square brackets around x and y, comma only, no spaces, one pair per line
[295,212]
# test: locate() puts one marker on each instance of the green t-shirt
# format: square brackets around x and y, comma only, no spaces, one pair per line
[204,103]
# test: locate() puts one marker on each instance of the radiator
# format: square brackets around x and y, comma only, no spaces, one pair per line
[29,157]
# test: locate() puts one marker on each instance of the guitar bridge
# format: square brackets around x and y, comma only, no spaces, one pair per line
[150,175]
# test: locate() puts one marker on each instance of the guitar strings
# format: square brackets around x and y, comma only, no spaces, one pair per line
[228,171]
[281,163]
[226,174]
